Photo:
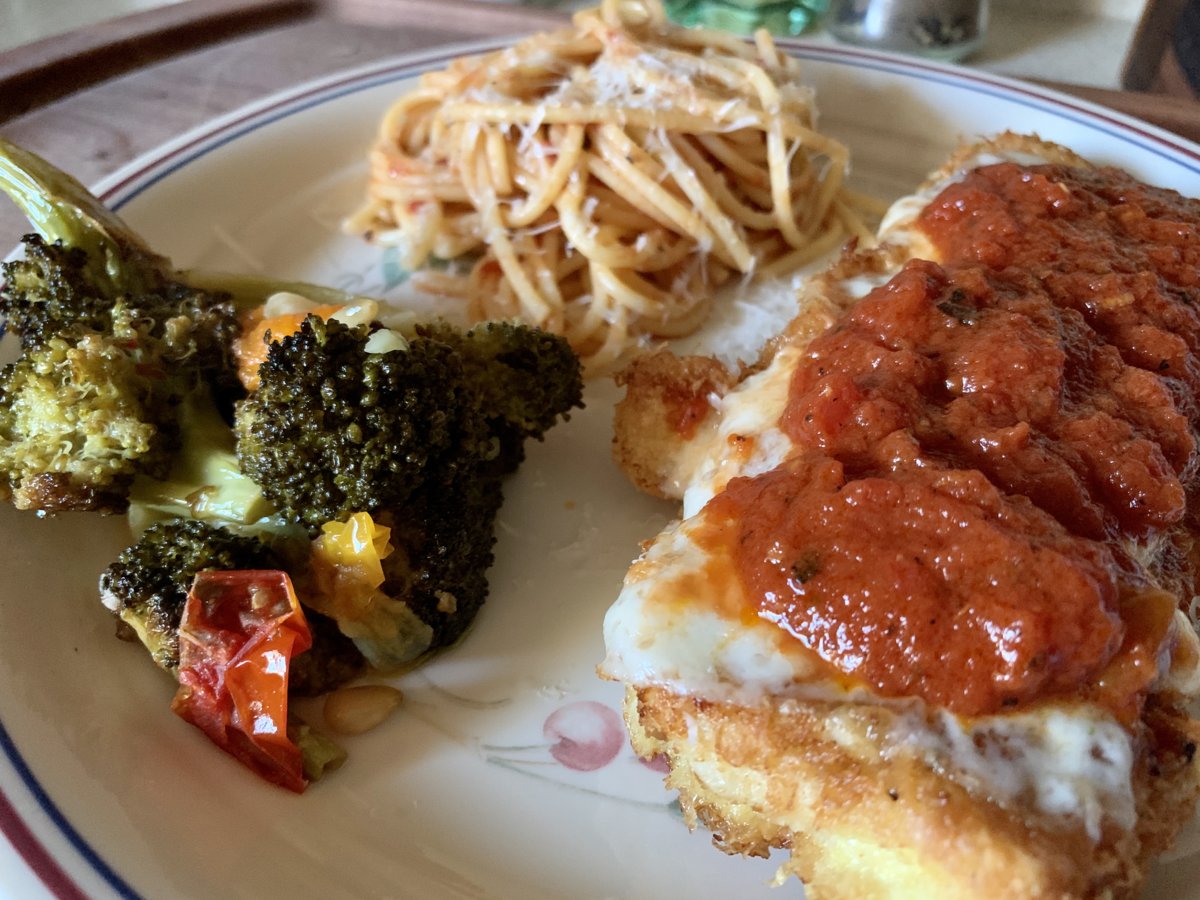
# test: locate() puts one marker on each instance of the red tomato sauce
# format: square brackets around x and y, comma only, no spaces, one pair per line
[687,406]
[981,441]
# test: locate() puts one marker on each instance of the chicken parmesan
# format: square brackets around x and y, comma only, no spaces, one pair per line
[926,620]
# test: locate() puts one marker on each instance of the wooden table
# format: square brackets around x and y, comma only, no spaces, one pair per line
[93,100]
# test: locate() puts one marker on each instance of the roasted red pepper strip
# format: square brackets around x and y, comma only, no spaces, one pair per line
[238,635]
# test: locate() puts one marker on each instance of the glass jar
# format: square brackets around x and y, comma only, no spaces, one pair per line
[790,17]
[939,29]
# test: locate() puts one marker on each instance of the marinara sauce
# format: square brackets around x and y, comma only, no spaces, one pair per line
[983,445]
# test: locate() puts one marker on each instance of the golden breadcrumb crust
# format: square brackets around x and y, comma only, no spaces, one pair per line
[649,444]
[788,775]
[862,825]
[1004,144]
[649,425]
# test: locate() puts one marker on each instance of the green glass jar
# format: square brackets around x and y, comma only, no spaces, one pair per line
[790,17]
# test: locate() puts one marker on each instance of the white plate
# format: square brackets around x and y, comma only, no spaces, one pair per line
[468,791]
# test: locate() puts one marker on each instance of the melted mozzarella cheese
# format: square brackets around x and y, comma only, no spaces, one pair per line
[746,439]
[1069,761]
[678,623]
[681,621]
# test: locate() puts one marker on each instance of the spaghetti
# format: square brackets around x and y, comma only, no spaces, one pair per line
[609,177]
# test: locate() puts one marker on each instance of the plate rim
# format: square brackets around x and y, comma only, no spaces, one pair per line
[61,876]
[140,174]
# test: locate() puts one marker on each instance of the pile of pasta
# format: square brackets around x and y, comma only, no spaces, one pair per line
[606,179]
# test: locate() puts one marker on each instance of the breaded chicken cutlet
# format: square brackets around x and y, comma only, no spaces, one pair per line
[926,620]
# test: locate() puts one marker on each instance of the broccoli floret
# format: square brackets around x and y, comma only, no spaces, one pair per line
[334,429]
[91,402]
[526,380]
[418,436]
[51,291]
[89,289]
[77,418]
[204,480]
[444,541]
[147,588]
[148,584]
[48,290]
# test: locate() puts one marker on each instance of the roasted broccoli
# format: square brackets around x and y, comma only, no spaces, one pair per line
[366,464]
[113,338]
[335,429]
[525,378]
[444,538]
[75,424]
[148,585]
[51,289]
[92,399]
[111,342]
[418,436]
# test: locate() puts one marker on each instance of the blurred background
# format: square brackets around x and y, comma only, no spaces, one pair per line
[1072,41]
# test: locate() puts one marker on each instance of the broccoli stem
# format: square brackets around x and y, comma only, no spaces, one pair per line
[204,481]
[62,209]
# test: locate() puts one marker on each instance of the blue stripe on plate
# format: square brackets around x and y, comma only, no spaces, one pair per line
[169,160]
[50,808]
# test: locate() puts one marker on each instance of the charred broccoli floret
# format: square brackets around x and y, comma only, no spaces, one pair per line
[91,402]
[78,417]
[75,433]
[148,585]
[444,541]
[335,429]
[53,291]
[526,379]
[50,289]
[416,433]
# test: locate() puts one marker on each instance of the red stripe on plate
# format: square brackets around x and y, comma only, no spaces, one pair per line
[35,854]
